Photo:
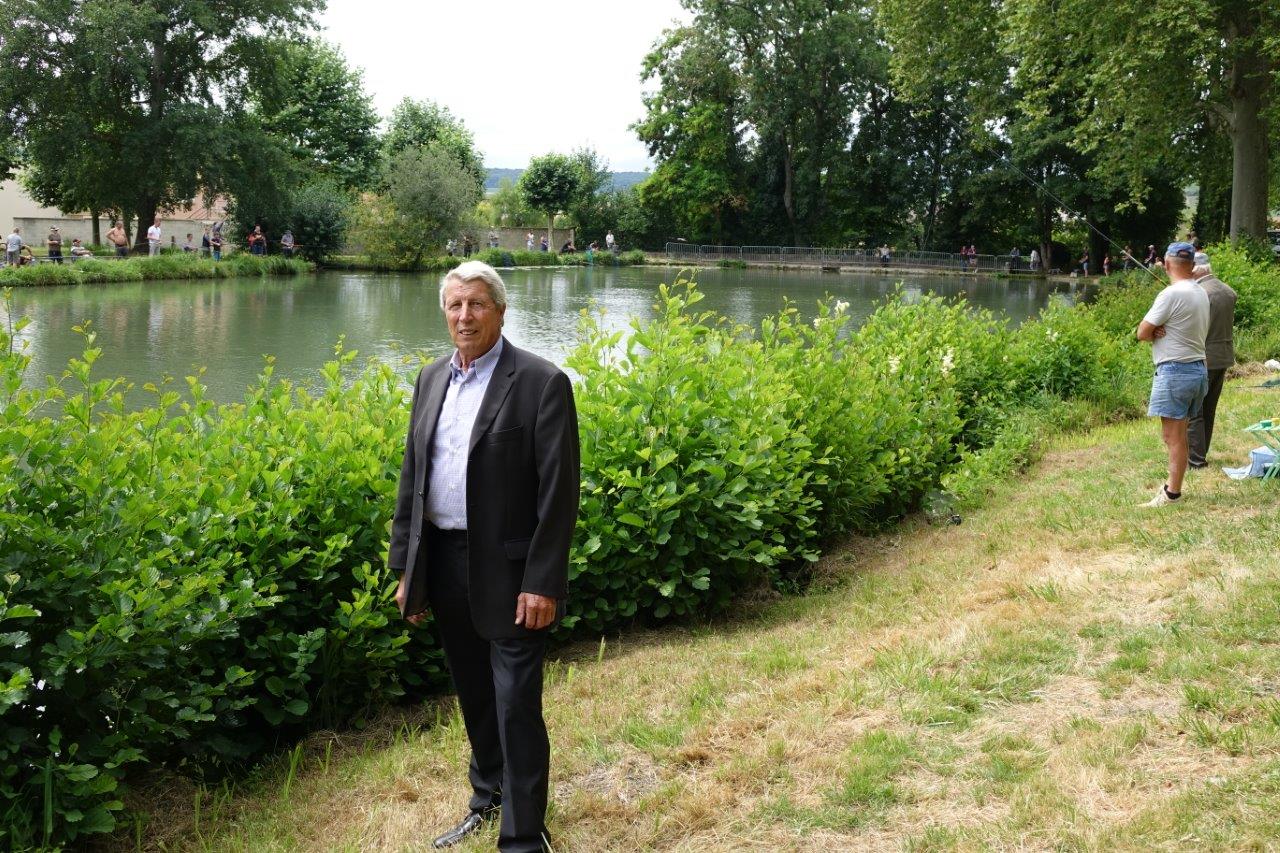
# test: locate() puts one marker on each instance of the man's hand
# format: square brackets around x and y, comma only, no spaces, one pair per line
[401,597]
[535,612]
[1158,332]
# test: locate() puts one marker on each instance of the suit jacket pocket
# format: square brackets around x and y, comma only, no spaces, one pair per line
[511,434]
[517,549]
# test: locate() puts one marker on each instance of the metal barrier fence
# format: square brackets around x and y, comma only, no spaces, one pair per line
[869,258]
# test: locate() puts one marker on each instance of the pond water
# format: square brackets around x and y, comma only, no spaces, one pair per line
[151,330]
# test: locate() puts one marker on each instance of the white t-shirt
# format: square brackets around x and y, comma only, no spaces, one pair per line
[1183,309]
[13,243]
[153,234]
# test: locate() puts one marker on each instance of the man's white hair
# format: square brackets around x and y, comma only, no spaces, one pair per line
[476,271]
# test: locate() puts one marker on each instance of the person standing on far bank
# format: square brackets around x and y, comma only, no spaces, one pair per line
[13,246]
[1176,327]
[54,244]
[116,237]
[153,238]
[484,518]
[1219,356]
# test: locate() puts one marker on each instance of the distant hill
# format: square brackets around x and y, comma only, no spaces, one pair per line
[621,180]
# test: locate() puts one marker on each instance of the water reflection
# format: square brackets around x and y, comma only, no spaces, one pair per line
[149,330]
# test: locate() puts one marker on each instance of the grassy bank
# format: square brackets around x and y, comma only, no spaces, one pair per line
[1063,670]
[500,258]
[162,267]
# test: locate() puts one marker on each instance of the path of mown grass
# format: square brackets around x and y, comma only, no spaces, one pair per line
[1064,670]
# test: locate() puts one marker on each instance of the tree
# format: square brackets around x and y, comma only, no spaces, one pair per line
[1146,80]
[425,124]
[319,218]
[550,185]
[115,102]
[429,196]
[318,105]
[691,129]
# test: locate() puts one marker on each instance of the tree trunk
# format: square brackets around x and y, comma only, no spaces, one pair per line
[551,232]
[1250,175]
[788,190]
[146,215]
[97,228]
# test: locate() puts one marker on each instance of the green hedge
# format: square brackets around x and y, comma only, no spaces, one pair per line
[499,258]
[170,266]
[193,585]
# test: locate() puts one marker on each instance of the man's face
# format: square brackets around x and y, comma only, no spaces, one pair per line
[475,322]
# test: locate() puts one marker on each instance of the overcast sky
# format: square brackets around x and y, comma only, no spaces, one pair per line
[526,78]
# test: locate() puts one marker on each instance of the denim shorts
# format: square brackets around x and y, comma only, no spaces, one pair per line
[1178,389]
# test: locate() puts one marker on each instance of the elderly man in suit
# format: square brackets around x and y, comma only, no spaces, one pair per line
[484,519]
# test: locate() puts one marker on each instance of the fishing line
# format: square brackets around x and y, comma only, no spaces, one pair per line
[1068,208]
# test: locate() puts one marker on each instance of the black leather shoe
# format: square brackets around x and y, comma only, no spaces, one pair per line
[471,823]
[1197,465]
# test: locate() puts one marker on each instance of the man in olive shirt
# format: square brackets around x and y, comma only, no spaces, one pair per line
[1220,354]
[54,244]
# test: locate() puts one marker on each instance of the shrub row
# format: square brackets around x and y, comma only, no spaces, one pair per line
[167,266]
[500,258]
[192,585]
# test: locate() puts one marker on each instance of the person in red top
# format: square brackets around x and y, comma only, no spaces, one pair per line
[257,241]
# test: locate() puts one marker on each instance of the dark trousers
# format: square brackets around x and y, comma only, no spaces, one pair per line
[1200,427]
[499,685]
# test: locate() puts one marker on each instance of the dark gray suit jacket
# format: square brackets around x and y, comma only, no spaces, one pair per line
[522,489]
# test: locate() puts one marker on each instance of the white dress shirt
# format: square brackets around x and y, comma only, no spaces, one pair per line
[446,505]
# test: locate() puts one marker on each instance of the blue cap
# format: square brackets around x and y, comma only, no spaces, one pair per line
[1182,250]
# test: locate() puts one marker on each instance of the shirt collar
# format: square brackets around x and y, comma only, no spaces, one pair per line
[482,367]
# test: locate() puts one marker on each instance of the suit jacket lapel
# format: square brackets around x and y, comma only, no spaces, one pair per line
[499,384]
[437,383]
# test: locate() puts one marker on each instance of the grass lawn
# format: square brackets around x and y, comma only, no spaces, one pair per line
[1064,670]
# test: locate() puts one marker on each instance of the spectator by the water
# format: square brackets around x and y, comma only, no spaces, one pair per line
[886,254]
[257,241]
[1127,260]
[1106,264]
[1035,259]
[493,239]
[1151,256]
[119,239]
[467,246]
[608,241]
[79,251]
[1219,356]
[215,242]
[206,244]
[54,244]
[1177,326]
[153,238]
[286,243]
[973,256]
[1015,258]
[528,241]
[542,245]
[450,246]
[1084,263]
[13,246]
[189,246]
[568,248]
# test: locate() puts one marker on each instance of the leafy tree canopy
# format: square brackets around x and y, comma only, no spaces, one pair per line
[315,102]
[426,124]
[116,103]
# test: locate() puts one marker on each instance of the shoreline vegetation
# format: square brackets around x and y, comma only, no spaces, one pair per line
[497,258]
[165,267]
[194,587]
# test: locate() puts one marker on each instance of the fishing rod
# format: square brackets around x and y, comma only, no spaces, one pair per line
[1051,194]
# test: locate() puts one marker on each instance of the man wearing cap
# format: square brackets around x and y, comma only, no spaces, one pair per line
[1220,354]
[54,244]
[1177,326]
